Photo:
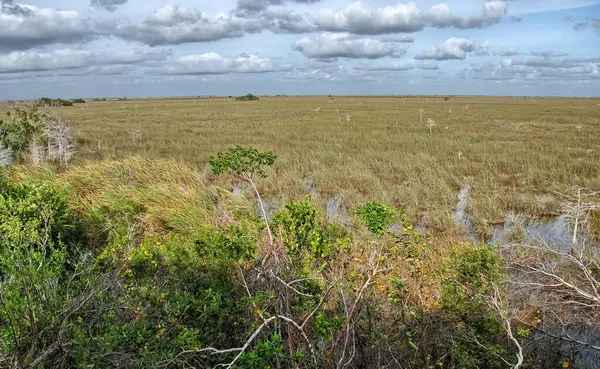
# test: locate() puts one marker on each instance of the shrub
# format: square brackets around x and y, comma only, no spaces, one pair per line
[28,132]
[48,102]
[248,97]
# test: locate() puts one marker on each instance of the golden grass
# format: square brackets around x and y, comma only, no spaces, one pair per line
[515,151]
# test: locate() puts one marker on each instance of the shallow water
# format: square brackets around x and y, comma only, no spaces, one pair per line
[554,232]
[271,205]
[335,211]
[461,217]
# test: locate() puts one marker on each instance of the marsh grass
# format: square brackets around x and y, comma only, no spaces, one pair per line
[514,151]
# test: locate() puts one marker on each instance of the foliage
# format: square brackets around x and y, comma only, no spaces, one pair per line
[34,254]
[144,264]
[78,101]
[49,102]
[248,97]
[20,128]
[242,160]
[377,217]
[478,339]
[301,230]
[40,136]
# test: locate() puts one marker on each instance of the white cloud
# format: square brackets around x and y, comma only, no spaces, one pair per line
[362,18]
[491,12]
[338,45]
[387,66]
[25,26]
[110,5]
[453,48]
[171,25]
[70,59]
[213,63]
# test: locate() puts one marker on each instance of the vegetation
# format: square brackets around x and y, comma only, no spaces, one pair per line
[47,102]
[247,97]
[511,153]
[140,262]
[28,134]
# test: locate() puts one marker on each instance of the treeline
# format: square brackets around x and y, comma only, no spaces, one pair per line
[48,102]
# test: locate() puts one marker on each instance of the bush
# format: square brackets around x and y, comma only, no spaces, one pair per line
[48,102]
[78,101]
[248,97]
[39,136]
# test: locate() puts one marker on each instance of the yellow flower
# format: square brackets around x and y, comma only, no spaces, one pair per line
[565,364]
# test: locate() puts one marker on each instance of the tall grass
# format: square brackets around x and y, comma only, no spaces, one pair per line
[514,151]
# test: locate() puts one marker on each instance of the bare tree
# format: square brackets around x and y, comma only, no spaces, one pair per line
[6,156]
[564,285]
[430,124]
[60,143]
[577,210]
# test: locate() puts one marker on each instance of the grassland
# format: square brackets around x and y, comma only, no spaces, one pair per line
[511,152]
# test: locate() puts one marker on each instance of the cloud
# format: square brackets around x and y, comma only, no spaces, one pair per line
[170,25]
[386,66]
[548,54]
[507,52]
[284,21]
[110,5]
[539,68]
[490,13]
[399,38]
[252,6]
[213,63]
[453,48]
[428,65]
[24,61]
[516,19]
[336,45]
[483,49]
[361,18]
[591,23]
[26,26]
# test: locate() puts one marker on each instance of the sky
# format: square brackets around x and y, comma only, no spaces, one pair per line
[145,48]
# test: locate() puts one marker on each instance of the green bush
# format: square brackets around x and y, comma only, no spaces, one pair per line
[19,128]
[48,102]
[247,97]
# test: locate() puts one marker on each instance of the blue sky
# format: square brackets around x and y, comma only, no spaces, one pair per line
[135,48]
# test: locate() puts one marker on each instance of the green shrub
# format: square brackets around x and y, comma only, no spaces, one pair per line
[247,97]
[19,128]
[474,272]
[377,217]
[300,229]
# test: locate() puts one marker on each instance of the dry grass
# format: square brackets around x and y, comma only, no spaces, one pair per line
[514,150]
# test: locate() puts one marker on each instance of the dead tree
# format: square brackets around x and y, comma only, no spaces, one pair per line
[60,143]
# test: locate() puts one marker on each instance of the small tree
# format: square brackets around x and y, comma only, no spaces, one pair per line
[248,97]
[430,124]
[244,163]
[58,136]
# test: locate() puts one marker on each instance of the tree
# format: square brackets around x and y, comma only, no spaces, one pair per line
[244,163]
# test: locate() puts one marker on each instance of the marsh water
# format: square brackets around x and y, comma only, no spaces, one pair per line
[554,232]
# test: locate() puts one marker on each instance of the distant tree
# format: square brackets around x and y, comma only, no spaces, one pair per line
[248,97]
